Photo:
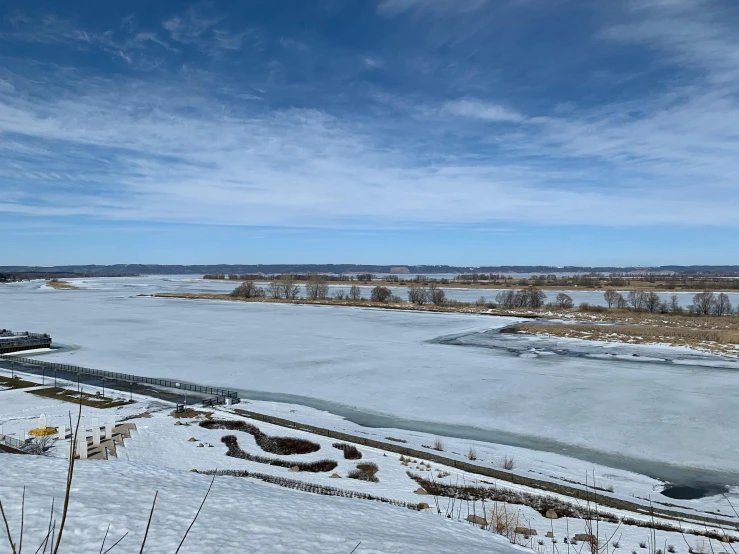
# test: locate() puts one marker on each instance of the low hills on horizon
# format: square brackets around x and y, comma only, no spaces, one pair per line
[159,269]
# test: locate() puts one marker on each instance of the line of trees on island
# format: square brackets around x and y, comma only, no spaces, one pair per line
[317,288]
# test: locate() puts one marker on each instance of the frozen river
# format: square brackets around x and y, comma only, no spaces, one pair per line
[452,371]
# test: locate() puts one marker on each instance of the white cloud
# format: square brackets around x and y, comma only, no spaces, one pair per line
[373,62]
[477,109]
[139,151]
[435,7]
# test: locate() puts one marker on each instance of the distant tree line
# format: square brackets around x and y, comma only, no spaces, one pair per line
[317,288]
[704,303]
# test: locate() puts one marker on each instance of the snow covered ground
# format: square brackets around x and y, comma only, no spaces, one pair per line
[244,515]
[240,515]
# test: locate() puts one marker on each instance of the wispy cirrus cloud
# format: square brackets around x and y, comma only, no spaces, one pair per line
[194,147]
[434,7]
[478,109]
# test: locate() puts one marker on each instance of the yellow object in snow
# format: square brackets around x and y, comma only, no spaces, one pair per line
[42,432]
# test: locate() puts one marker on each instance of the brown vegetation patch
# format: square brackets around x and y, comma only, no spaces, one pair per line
[74,397]
[61,285]
[366,471]
[720,340]
[273,445]
[189,413]
[350,451]
[314,467]
[15,383]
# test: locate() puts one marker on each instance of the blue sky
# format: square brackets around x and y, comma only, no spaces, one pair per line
[470,132]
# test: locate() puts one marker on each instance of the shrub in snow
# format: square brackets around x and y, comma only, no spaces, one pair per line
[273,445]
[365,472]
[235,452]
[350,451]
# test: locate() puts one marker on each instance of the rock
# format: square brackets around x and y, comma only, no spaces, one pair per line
[201,445]
[525,531]
[178,423]
[477,520]
[421,490]
[335,476]
[194,471]
[549,535]
[551,514]
[584,537]
[294,469]
[192,439]
[423,506]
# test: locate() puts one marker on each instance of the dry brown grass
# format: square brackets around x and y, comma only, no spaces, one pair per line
[61,285]
[189,413]
[15,383]
[721,340]
[74,397]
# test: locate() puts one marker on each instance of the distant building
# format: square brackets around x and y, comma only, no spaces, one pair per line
[399,270]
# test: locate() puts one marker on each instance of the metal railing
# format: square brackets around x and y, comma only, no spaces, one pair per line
[124,377]
[12,442]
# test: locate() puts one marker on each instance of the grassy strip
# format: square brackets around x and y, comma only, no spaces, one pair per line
[314,467]
[308,487]
[274,445]
[74,397]
[16,383]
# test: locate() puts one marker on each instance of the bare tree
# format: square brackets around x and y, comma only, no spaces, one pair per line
[722,306]
[289,288]
[532,297]
[339,295]
[611,297]
[563,301]
[355,293]
[637,299]
[652,302]
[248,289]
[316,288]
[621,303]
[380,294]
[274,288]
[436,295]
[674,305]
[507,299]
[703,303]
[418,295]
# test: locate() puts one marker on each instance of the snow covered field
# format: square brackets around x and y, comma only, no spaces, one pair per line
[240,515]
[376,361]
[245,515]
